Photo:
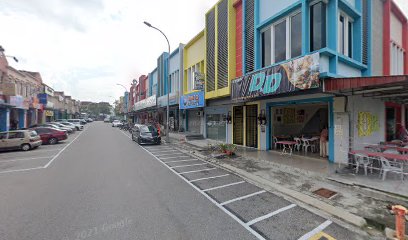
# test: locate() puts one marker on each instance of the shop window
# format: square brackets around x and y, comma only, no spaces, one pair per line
[345,35]
[216,127]
[282,40]
[397,59]
[317,25]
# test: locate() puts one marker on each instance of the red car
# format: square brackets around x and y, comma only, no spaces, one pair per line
[51,135]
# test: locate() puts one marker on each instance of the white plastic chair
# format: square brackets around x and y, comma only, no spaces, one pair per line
[365,161]
[386,166]
[275,140]
[306,144]
[298,144]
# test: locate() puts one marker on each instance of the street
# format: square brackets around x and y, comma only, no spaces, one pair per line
[101,185]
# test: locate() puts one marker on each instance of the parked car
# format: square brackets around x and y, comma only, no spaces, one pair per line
[106,120]
[52,125]
[116,123]
[77,124]
[68,124]
[51,135]
[19,139]
[62,125]
[89,120]
[83,121]
[146,134]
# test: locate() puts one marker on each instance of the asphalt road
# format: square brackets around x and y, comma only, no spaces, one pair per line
[101,185]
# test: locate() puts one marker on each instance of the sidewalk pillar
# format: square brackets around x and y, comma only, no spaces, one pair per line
[400,213]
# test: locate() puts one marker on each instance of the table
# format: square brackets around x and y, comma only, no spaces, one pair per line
[398,157]
[397,144]
[287,145]
[385,147]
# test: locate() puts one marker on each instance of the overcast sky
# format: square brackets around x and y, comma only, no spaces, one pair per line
[85,47]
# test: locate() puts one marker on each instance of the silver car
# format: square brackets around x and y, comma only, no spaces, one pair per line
[19,139]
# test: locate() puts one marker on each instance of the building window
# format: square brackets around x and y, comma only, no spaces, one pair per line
[345,35]
[397,59]
[282,40]
[317,26]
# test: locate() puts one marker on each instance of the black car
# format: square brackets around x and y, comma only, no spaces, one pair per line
[145,134]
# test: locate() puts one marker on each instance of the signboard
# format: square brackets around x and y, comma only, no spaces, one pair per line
[299,74]
[42,97]
[199,79]
[162,101]
[19,102]
[145,103]
[60,98]
[48,90]
[192,100]
[49,113]
[8,89]
[49,105]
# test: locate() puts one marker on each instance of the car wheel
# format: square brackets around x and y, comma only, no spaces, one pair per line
[52,141]
[133,138]
[25,147]
[138,141]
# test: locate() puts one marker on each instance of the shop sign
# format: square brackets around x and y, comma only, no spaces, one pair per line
[48,90]
[49,113]
[192,100]
[8,89]
[199,81]
[49,105]
[34,103]
[162,101]
[42,97]
[60,98]
[299,74]
[145,103]
[19,102]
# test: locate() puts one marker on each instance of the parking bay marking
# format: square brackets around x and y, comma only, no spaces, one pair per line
[170,154]
[172,157]
[318,229]
[243,197]
[189,165]
[25,159]
[196,180]
[187,160]
[270,214]
[207,169]
[223,186]
[256,234]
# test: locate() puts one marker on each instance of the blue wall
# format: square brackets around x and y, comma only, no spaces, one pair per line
[4,119]
[162,74]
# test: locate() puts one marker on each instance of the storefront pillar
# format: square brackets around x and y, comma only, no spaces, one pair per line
[4,119]
[22,113]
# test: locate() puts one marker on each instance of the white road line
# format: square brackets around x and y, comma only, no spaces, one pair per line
[69,144]
[22,170]
[257,235]
[196,180]
[318,229]
[154,152]
[170,154]
[198,164]
[207,169]
[270,214]
[223,186]
[243,197]
[172,157]
[17,154]
[25,159]
[188,160]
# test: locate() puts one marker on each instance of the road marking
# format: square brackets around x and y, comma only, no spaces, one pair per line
[223,186]
[256,234]
[318,229]
[207,169]
[172,157]
[69,144]
[154,152]
[22,170]
[188,160]
[243,197]
[196,180]
[170,154]
[25,159]
[270,214]
[198,164]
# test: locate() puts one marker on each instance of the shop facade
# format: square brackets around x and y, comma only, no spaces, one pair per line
[173,113]
[145,110]
[216,124]
[192,109]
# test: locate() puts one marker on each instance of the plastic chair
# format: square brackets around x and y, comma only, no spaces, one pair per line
[306,144]
[275,140]
[298,144]
[365,161]
[386,166]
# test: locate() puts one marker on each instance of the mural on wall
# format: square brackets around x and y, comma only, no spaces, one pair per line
[367,124]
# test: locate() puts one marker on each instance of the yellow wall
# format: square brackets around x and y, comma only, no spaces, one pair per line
[194,52]
[222,92]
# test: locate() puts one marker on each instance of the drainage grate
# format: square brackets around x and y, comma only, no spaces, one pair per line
[324,192]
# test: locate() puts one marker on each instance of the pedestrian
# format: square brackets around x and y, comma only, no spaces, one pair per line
[324,134]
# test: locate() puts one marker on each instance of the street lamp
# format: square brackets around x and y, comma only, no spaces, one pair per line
[167,82]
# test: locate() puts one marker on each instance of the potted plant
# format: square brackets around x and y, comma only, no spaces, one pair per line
[230,149]
[223,147]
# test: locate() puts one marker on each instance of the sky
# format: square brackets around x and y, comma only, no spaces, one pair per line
[86,47]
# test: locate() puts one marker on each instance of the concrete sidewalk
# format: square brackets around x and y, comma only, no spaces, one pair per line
[298,177]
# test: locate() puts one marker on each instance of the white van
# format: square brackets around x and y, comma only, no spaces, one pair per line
[77,123]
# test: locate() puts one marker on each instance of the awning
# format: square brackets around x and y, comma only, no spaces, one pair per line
[387,88]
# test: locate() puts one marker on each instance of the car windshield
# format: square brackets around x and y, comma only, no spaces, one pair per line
[147,129]
[33,134]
